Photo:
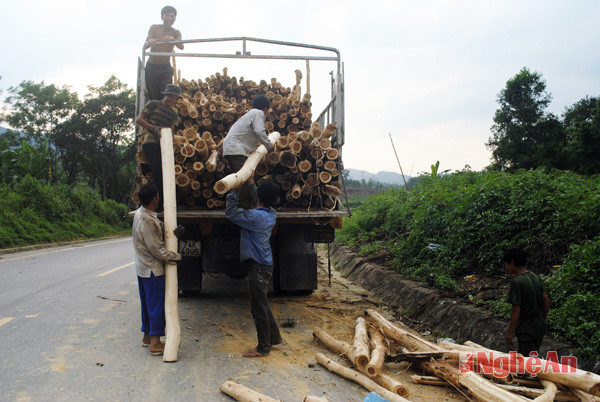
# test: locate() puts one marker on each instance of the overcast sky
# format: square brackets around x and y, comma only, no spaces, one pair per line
[428,72]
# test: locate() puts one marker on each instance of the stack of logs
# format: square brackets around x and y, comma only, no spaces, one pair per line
[304,161]
[376,340]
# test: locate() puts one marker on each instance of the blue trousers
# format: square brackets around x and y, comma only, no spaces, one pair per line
[152,298]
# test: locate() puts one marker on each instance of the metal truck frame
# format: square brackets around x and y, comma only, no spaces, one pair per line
[211,243]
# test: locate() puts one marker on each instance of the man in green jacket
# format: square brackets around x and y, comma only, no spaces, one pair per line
[530,304]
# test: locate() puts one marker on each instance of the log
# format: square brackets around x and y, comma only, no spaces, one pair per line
[296,191]
[173,330]
[198,166]
[429,380]
[577,379]
[378,349]
[235,179]
[470,382]
[288,159]
[332,154]
[357,377]
[549,392]
[304,166]
[343,348]
[401,336]
[315,399]
[329,130]
[324,177]
[329,166]
[242,393]
[201,149]
[211,163]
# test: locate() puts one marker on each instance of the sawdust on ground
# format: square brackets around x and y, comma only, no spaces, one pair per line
[334,309]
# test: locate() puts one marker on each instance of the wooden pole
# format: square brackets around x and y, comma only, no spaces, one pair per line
[175,78]
[237,178]
[395,153]
[307,77]
[170,216]
[357,377]
[242,393]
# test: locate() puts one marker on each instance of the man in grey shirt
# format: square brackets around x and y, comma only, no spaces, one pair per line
[242,139]
[150,256]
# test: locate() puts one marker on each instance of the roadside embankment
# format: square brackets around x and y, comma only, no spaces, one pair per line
[433,308]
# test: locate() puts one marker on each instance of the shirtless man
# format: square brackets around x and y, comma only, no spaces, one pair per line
[159,72]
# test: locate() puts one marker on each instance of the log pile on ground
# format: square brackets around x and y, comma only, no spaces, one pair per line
[304,161]
[377,339]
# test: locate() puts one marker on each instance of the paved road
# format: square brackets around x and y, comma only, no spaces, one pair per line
[69,324]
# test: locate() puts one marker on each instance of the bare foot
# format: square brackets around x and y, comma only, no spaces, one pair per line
[146,340]
[253,353]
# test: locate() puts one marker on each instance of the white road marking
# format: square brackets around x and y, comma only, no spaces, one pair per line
[116,269]
[61,249]
[6,320]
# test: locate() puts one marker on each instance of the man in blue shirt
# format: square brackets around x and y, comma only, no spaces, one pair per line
[255,254]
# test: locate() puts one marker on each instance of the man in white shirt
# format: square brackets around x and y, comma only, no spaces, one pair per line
[243,138]
[150,255]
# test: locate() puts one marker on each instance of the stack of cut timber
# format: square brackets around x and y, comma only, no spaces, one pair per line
[304,161]
[542,380]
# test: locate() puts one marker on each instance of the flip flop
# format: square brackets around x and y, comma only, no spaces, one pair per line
[253,353]
[157,353]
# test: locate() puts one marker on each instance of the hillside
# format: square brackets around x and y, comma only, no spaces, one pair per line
[380,177]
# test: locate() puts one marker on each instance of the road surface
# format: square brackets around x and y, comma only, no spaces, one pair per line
[70,330]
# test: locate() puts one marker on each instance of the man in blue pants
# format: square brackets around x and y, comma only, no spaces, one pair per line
[150,255]
[256,255]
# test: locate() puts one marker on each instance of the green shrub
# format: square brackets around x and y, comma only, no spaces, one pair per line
[471,217]
[33,212]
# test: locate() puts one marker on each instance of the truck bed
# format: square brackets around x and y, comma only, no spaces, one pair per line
[287,215]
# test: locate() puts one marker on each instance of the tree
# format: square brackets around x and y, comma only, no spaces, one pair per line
[524,135]
[38,109]
[582,124]
[97,141]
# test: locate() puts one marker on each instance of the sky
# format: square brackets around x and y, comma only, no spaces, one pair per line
[427,72]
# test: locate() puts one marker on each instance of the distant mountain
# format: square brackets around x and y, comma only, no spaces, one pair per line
[381,177]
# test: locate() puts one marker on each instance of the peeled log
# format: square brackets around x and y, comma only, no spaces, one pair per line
[343,348]
[173,330]
[378,353]
[242,393]
[357,377]
[235,179]
[211,163]
[360,347]
[578,379]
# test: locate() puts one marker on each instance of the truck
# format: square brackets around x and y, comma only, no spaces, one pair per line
[211,244]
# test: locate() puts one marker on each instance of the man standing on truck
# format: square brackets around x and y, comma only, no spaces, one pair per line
[156,115]
[255,254]
[159,72]
[530,304]
[243,138]
[150,255]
